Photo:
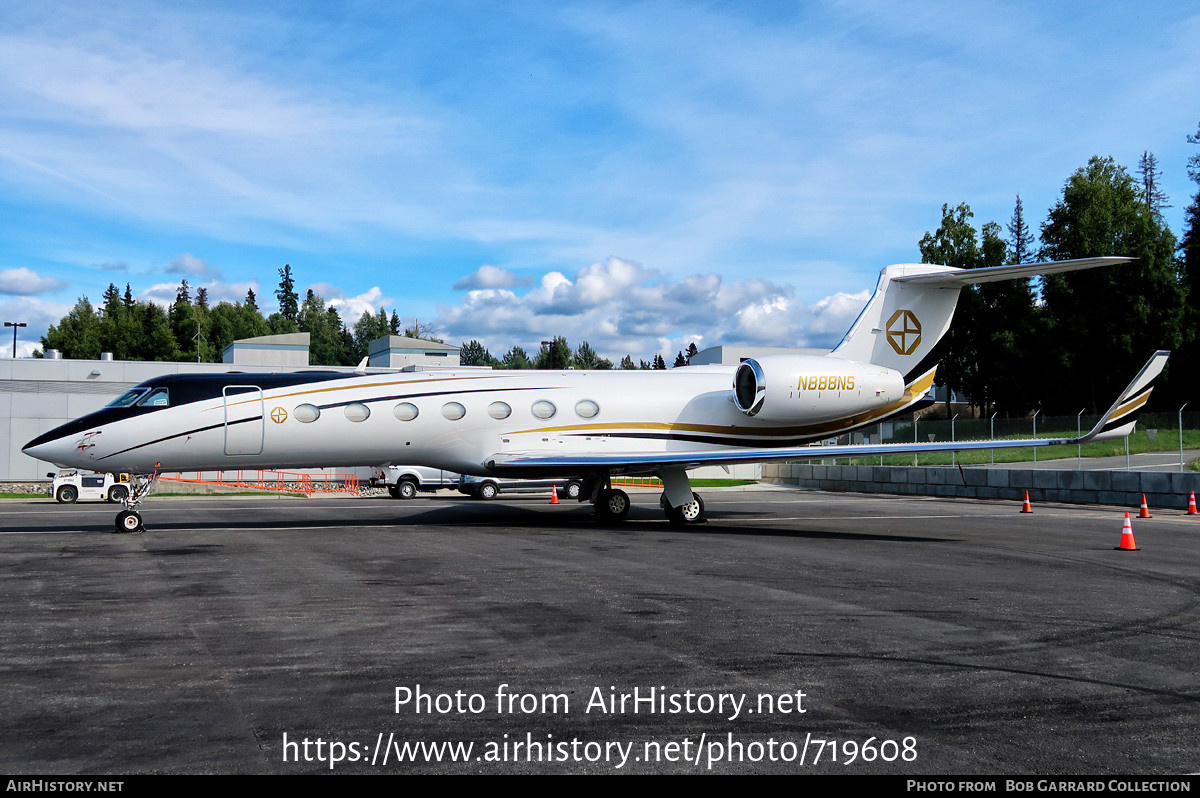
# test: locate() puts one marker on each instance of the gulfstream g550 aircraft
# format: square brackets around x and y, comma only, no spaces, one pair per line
[588,425]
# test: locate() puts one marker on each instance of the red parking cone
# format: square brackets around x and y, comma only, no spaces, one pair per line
[1192,504]
[1145,511]
[554,494]
[1127,541]
[1025,508]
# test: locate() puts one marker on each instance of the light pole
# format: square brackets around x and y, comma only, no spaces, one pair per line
[14,325]
[1035,414]
[953,454]
[993,434]
[1185,404]
[1079,434]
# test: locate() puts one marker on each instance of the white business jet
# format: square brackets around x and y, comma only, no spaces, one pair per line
[587,425]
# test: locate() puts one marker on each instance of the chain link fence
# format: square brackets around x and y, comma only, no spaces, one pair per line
[1155,432]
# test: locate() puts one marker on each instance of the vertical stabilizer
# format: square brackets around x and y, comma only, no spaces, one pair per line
[902,323]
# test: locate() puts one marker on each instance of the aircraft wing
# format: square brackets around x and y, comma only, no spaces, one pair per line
[1116,423]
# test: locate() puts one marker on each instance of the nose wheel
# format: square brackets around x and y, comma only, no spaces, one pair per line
[129,522]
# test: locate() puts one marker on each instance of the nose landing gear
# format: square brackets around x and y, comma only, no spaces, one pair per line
[129,520]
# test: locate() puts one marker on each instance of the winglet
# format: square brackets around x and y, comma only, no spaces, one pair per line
[1121,417]
[361,369]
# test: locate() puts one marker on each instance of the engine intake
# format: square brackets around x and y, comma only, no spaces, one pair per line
[812,387]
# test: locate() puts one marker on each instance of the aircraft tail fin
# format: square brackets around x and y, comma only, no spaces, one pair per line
[913,304]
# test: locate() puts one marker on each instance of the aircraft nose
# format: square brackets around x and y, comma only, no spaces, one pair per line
[53,447]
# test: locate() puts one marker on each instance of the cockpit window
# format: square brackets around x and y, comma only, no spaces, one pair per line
[127,398]
[157,398]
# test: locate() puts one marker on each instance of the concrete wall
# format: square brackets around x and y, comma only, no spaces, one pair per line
[1162,488]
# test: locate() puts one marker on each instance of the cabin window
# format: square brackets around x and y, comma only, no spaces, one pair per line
[405,411]
[357,411]
[157,398]
[453,411]
[127,398]
[306,414]
[586,408]
[543,409]
[499,410]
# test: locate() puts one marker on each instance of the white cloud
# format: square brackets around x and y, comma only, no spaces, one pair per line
[621,308]
[25,282]
[188,263]
[38,314]
[351,308]
[490,277]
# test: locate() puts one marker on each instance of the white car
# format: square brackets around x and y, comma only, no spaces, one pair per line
[72,486]
[405,481]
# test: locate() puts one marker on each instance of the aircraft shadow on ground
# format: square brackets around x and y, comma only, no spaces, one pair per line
[492,515]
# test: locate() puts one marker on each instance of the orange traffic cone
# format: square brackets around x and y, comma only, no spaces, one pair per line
[1127,541]
[1145,511]
[554,494]
[1025,508]
[1192,504]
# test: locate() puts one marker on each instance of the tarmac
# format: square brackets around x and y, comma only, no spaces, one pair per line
[795,632]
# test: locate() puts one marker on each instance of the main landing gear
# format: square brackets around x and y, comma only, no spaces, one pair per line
[681,506]
[612,504]
[129,520]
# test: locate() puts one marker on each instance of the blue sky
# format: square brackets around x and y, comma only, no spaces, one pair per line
[634,174]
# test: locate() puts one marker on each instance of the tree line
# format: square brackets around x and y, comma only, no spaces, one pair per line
[1074,343]
[192,329]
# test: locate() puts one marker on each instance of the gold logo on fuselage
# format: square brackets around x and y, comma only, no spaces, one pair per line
[278,415]
[904,332]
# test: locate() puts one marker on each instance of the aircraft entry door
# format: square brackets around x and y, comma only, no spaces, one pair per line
[243,419]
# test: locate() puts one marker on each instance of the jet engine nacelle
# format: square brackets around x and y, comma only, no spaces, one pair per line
[812,387]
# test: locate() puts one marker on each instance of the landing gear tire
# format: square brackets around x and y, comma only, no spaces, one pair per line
[690,513]
[118,494]
[67,494]
[612,504]
[128,522]
[395,494]
[573,489]
[406,489]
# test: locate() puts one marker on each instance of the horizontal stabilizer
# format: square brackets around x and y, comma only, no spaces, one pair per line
[991,274]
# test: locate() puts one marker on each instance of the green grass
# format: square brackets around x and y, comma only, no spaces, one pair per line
[1167,440]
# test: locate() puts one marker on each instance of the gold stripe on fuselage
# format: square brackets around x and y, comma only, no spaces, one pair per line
[912,393]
